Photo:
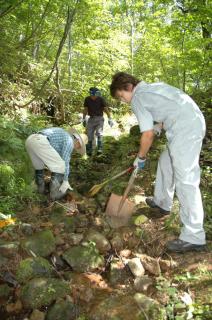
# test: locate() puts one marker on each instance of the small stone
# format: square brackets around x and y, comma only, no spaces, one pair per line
[3,261]
[102,244]
[139,220]
[59,240]
[136,267]
[167,265]
[118,273]
[117,243]
[142,284]
[27,229]
[37,315]
[14,307]
[9,249]
[4,291]
[150,264]
[75,238]
[125,253]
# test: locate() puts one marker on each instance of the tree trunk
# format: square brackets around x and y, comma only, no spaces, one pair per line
[60,95]
[69,20]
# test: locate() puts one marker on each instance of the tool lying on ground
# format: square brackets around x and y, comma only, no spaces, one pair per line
[96,188]
[120,207]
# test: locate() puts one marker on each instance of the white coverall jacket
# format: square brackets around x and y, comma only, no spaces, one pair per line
[178,166]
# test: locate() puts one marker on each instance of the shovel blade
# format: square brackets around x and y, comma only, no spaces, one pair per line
[112,208]
[118,218]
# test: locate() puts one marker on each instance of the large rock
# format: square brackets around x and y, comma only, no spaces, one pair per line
[41,243]
[120,307]
[33,267]
[62,310]
[84,258]
[41,292]
[102,244]
[150,307]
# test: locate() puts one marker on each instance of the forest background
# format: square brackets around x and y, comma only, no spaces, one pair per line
[56,50]
[59,49]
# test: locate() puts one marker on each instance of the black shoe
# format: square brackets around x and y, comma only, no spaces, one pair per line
[181,246]
[150,202]
[54,186]
[39,180]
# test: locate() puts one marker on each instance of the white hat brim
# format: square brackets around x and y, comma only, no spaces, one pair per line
[75,133]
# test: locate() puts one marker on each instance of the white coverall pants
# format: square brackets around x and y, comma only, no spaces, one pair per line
[178,169]
[43,154]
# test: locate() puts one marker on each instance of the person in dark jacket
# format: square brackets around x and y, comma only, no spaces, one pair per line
[95,106]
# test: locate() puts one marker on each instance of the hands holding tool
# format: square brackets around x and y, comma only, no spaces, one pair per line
[65,186]
[157,129]
[139,162]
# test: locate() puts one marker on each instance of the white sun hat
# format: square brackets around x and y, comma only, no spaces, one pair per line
[82,138]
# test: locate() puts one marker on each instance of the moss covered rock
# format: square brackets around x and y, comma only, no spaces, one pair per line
[40,292]
[33,267]
[102,244]
[62,310]
[139,220]
[41,243]
[151,307]
[119,307]
[84,258]
[4,291]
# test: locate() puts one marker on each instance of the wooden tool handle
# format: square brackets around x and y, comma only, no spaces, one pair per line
[128,188]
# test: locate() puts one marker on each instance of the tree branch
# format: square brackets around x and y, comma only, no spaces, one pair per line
[69,20]
[10,8]
[24,41]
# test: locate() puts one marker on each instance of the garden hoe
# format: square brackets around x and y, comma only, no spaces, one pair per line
[119,208]
[97,187]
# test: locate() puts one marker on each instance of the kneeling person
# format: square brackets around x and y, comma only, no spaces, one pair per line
[52,147]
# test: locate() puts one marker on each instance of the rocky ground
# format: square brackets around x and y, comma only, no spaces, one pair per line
[64,260]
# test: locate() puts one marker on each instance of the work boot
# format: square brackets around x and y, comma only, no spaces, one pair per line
[181,246]
[89,148]
[55,183]
[99,146]
[150,202]
[39,180]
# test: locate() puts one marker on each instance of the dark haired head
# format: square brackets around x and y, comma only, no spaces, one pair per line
[121,81]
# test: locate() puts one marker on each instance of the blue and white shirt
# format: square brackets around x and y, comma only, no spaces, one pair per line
[63,143]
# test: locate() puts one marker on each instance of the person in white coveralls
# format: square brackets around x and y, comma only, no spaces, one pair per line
[178,166]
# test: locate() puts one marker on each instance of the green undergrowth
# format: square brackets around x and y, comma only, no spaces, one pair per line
[16,171]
